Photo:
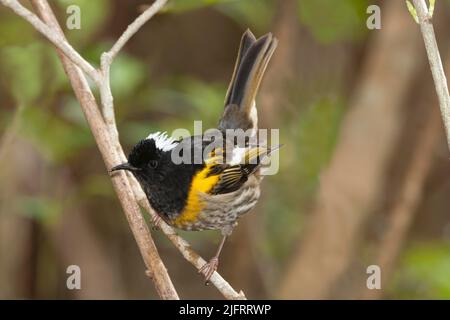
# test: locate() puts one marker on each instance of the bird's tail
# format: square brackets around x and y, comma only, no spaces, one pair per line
[253,57]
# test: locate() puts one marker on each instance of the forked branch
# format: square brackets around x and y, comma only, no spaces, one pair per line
[104,130]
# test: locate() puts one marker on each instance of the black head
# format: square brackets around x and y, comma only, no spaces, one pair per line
[144,158]
[165,183]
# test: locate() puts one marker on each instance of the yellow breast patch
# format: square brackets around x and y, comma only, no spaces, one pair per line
[200,183]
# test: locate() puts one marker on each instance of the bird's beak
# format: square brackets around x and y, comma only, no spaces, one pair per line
[124,166]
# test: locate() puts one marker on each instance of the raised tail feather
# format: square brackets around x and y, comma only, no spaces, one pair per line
[252,60]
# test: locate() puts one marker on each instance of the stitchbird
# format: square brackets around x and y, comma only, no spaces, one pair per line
[212,193]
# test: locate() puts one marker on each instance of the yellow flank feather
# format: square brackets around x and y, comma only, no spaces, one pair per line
[201,183]
[215,156]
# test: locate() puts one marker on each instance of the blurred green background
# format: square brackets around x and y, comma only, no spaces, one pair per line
[57,206]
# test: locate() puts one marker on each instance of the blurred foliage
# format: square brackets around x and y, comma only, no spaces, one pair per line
[22,69]
[180,100]
[26,68]
[256,14]
[54,137]
[41,208]
[13,31]
[308,145]
[318,132]
[127,73]
[180,6]
[332,21]
[96,185]
[94,14]
[196,97]
[423,273]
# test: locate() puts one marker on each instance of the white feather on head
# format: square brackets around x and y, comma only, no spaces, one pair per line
[163,141]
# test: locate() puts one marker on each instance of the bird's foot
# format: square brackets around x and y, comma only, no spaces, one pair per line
[209,268]
[156,222]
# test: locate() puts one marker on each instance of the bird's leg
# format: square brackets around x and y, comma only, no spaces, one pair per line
[210,267]
[156,221]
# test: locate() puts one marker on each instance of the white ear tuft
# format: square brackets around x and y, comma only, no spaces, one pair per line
[163,141]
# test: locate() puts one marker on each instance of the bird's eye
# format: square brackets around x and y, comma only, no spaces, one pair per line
[153,164]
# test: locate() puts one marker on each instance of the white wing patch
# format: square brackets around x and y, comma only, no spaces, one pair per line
[163,141]
[238,156]
[254,117]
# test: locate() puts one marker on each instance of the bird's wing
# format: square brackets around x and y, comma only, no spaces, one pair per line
[232,175]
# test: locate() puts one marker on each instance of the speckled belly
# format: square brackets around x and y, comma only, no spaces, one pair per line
[221,212]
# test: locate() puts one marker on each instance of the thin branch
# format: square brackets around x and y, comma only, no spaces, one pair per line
[135,26]
[105,139]
[106,96]
[108,57]
[55,38]
[437,70]
[155,267]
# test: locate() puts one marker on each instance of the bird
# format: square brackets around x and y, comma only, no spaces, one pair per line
[224,184]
